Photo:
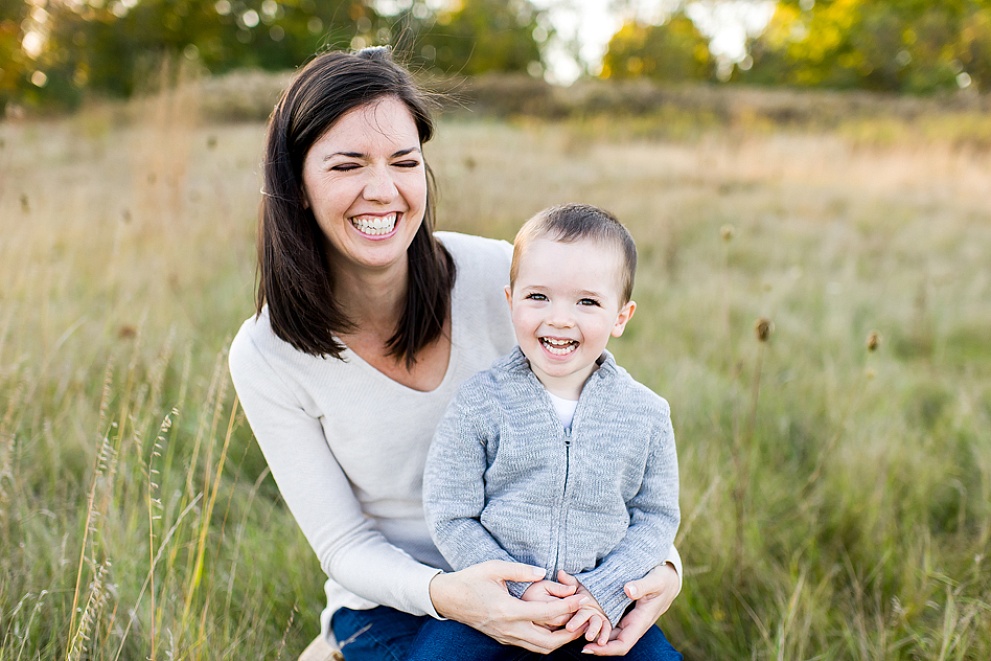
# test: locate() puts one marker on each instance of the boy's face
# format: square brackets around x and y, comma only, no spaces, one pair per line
[566,302]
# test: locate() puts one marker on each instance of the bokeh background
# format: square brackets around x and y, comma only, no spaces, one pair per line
[59,52]
[808,183]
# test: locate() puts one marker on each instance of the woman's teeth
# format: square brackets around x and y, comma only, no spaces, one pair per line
[559,347]
[375,225]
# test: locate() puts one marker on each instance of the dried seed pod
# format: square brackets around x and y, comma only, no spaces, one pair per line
[763,328]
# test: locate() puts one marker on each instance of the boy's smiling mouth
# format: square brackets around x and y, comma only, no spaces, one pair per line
[559,347]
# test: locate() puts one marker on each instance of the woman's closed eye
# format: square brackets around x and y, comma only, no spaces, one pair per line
[407,164]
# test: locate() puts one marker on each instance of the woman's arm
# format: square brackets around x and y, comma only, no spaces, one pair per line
[317,492]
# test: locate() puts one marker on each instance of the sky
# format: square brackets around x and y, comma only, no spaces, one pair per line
[726,22]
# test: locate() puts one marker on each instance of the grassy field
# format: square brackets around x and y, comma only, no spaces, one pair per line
[836,500]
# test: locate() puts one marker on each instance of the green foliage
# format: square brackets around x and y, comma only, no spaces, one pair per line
[119,48]
[480,36]
[916,47]
[13,74]
[672,51]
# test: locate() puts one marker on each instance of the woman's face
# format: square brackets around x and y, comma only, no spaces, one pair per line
[365,181]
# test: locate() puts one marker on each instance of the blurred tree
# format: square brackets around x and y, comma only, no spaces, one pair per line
[475,36]
[13,60]
[905,46]
[122,46]
[118,46]
[975,54]
[672,51]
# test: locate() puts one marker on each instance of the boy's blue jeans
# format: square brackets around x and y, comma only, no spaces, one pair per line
[387,634]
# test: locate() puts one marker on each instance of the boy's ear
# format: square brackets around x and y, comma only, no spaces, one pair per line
[625,314]
[509,296]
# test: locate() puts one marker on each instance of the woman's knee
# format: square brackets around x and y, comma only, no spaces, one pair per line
[377,634]
[653,646]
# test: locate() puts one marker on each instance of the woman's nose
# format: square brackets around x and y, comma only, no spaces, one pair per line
[380,187]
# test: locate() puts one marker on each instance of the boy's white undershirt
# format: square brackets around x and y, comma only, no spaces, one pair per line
[565,409]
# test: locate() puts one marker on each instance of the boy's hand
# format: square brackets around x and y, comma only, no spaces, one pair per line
[653,594]
[550,591]
[590,616]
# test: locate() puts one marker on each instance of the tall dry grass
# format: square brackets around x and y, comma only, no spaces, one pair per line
[836,500]
[133,505]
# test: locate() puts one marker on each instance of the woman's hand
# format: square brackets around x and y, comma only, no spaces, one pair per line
[653,594]
[550,591]
[477,596]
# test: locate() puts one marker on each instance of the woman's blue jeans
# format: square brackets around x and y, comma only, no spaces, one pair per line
[379,634]
[387,634]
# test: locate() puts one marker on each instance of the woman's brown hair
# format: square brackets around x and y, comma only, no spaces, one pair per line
[294,277]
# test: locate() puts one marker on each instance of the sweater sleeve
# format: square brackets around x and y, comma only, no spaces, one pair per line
[317,492]
[654,519]
[454,484]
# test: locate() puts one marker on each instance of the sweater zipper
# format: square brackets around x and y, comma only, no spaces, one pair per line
[563,515]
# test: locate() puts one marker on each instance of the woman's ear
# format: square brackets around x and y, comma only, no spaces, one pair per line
[625,314]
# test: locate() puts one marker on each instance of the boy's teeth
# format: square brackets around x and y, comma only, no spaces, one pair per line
[375,225]
[559,347]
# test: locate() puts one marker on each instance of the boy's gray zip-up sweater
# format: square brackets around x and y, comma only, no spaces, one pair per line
[505,481]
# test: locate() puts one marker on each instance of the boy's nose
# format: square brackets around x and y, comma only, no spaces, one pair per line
[561,317]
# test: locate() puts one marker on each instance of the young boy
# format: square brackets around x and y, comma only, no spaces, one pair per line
[555,456]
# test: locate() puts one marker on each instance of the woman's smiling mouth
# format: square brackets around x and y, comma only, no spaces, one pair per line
[375,225]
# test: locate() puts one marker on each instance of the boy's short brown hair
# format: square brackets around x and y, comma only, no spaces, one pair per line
[572,222]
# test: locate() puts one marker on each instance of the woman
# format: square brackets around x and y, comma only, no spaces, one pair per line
[366,324]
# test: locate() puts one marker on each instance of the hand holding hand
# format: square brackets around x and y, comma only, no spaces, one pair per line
[653,594]
[590,618]
[550,591]
[477,596]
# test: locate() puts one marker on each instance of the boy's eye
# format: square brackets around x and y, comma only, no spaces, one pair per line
[536,297]
[588,301]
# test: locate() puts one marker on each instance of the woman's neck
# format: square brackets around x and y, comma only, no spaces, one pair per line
[372,300]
